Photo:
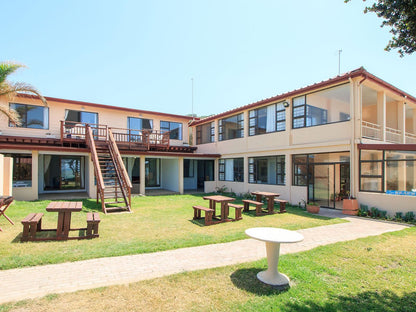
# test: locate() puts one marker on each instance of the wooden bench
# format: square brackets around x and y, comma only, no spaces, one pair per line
[238,209]
[93,219]
[282,204]
[258,205]
[208,214]
[31,224]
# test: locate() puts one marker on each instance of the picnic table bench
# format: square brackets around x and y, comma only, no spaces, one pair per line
[282,204]
[31,224]
[238,209]
[208,214]
[93,219]
[258,205]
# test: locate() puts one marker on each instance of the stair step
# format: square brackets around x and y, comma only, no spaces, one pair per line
[117,208]
[114,202]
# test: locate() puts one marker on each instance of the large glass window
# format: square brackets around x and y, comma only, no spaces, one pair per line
[175,129]
[231,127]
[300,170]
[31,116]
[267,170]
[205,133]
[322,107]
[63,172]
[81,117]
[267,119]
[371,171]
[152,172]
[231,169]
[22,169]
[139,124]
[188,168]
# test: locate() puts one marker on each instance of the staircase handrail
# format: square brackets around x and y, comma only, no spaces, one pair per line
[94,156]
[118,160]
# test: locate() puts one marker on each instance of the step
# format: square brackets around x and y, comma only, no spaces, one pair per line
[114,202]
[116,208]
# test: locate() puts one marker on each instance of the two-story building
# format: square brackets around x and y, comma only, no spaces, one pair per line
[352,135]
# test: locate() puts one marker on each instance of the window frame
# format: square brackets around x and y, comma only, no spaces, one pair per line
[253,115]
[24,124]
[240,129]
[211,125]
[164,129]
[253,167]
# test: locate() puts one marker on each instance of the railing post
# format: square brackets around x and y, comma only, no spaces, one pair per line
[62,132]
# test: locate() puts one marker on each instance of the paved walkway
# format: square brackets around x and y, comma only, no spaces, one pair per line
[32,282]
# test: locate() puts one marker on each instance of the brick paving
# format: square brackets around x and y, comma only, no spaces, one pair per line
[32,282]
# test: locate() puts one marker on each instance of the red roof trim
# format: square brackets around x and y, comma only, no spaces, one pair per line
[388,147]
[132,110]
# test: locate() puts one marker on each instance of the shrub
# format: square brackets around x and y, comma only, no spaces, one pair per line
[409,216]
[398,216]
[363,211]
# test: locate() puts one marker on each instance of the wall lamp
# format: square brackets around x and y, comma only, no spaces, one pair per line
[286,104]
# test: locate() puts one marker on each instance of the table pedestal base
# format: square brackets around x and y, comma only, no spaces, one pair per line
[278,279]
[272,276]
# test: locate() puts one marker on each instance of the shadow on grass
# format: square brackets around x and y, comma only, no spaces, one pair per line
[366,301]
[246,279]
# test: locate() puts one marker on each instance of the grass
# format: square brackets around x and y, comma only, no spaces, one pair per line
[158,223]
[370,274]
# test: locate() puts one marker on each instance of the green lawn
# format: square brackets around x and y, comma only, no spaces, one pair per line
[369,274]
[157,223]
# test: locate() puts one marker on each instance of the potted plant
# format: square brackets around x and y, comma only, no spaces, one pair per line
[312,207]
[350,206]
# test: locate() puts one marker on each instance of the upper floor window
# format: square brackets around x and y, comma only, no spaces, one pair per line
[267,170]
[205,133]
[81,116]
[322,107]
[267,119]
[175,129]
[231,127]
[139,123]
[231,169]
[31,116]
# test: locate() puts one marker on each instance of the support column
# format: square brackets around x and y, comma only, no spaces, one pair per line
[246,124]
[180,173]
[401,120]
[381,113]
[142,174]
[35,174]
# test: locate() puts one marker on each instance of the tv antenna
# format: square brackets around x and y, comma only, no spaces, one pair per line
[193,116]
[339,62]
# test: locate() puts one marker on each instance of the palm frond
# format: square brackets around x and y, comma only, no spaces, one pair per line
[11,89]
[7,68]
[11,114]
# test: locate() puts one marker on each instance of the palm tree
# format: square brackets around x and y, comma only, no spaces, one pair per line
[11,89]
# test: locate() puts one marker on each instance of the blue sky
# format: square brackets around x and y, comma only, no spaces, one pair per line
[143,54]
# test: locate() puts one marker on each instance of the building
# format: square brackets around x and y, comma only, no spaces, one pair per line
[352,135]
[52,152]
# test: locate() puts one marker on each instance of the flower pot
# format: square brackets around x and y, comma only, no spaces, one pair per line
[312,208]
[350,207]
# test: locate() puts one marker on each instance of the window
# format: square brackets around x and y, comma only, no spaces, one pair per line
[300,170]
[267,170]
[231,169]
[139,124]
[231,127]
[22,170]
[388,171]
[267,119]
[205,133]
[31,116]
[322,107]
[175,129]
[188,168]
[63,172]
[371,171]
[81,117]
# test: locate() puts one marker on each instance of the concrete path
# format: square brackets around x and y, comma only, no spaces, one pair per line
[32,282]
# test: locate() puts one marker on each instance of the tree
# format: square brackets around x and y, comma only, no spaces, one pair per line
[401,17]
[11,89]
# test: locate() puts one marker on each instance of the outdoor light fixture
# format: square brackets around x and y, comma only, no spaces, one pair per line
[286,104]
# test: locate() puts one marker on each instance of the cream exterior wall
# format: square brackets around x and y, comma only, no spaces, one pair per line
[390,203]
[106,116]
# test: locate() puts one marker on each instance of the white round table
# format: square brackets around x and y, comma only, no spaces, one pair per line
[273,238]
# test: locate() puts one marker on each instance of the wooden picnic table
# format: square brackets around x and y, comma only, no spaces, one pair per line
[269,197]
[223,200]
[64,210]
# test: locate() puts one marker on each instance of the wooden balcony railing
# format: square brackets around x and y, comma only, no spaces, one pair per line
[147,138]
[393,135]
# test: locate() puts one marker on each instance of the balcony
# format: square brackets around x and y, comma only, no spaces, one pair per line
[375,132]
[371,131]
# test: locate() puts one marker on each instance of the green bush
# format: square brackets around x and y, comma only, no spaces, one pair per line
[363,211]
[409,216]
[398,216]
